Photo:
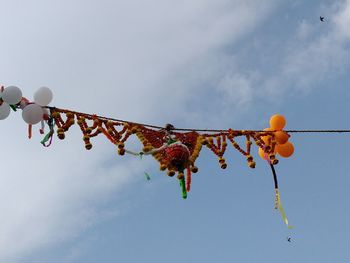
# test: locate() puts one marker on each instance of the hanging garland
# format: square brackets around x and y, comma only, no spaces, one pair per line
[175,149]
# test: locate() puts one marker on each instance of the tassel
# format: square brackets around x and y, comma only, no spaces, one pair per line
[29,131]
[188,179]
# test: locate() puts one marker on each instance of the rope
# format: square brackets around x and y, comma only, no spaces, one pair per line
[91,116]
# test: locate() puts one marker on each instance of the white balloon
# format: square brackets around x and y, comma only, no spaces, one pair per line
[32,113]
[43,96]
[12,95]
[4,111]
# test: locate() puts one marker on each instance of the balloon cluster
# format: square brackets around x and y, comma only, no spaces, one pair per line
[276,140]
[32,112]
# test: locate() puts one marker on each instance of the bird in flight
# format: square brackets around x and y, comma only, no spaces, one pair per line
[322,18]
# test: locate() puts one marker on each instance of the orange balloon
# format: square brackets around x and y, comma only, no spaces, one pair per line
[285,150]
[281,137]
[262,154]
[277,122]
[266,138]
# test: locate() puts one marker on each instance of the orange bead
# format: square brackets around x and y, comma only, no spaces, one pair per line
[285,150]
[281,137]
[277,122]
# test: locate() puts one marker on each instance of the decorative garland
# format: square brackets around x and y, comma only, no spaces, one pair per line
[176,150]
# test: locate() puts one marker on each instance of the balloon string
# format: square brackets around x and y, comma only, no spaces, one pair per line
[274,175]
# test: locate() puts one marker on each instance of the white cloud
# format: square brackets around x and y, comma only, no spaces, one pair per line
[141,62]
[236,87]
[320,53]
[301,60]
[342,20]
[304,30]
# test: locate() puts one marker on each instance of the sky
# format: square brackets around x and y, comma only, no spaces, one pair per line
[199,64]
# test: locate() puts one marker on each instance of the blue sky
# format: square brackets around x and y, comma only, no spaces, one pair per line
[205,64]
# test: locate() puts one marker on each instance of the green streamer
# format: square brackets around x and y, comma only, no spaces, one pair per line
[183,187]
[13,107]
[147,176]
[46,138]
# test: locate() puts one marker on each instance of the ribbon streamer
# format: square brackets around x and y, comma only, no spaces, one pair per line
[183,187]
[147,176]
[29,131]
[48,138]
[278,205]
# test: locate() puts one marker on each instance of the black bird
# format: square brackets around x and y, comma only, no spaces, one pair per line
[321,18]
[289,239]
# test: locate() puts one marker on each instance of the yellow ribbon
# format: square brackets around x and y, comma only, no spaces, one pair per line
[278,205]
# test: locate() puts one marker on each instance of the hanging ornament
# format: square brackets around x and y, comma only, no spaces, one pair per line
[176,150]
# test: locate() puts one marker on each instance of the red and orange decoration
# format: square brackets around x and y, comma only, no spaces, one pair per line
[175,149]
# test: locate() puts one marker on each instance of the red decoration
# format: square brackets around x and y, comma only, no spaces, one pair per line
[177,156]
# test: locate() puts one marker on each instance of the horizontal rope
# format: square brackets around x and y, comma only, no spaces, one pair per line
[190,129]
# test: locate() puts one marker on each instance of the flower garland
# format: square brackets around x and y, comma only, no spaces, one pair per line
[176,150]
